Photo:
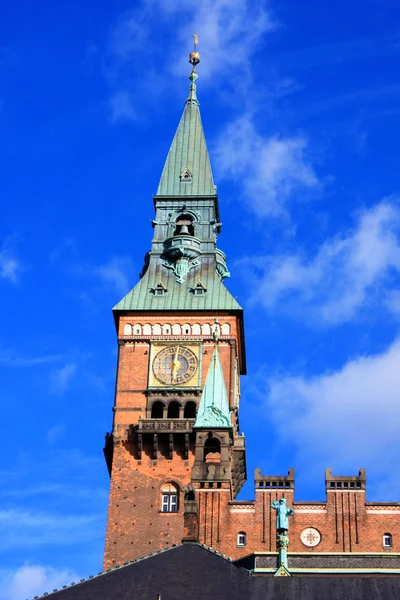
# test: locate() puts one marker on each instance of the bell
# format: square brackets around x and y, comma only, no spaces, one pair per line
[182,230]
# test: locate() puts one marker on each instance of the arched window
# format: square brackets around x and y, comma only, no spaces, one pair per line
[157,329]
[173,410]
[186,329]
[196,330]
[241,538]
[169,498]
[147,329]
[127,329]
[206,329]
[212,450]
[157,410]
[176,329]
[387,540]
[225,329]
[190,410]
[166,329]
[137,330]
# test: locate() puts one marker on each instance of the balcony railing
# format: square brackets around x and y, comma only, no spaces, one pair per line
[166,425]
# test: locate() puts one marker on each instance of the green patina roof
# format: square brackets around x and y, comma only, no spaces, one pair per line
[214,405]
[188,150]
[179,296]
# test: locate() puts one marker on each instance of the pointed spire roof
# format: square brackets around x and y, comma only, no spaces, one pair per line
[214,405]
[187,170]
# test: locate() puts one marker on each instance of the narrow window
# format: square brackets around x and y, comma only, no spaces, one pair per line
[169,498]
[387,540]
[241,539]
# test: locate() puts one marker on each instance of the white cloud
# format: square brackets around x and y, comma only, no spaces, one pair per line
[158,34]
[344,276]
[272,170]
[121,107]
[10,267]
[61,379]
[32,580]
[116,272]
[229,32]
[346,419]
[55,433]
[11,357]
[27,528]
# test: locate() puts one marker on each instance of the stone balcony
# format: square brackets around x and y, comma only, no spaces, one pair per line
[165,425]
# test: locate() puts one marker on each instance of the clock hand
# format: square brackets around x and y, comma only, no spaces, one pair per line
[175,365]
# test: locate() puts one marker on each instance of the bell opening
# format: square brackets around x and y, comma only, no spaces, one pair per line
[184,226]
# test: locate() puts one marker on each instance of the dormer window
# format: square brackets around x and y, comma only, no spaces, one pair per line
[160,289]
[199,289]
[186,176]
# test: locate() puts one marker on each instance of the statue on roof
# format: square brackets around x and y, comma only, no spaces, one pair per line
[282,514]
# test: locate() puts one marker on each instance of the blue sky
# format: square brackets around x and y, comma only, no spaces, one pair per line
[300,105]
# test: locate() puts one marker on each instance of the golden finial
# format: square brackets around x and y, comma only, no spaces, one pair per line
[194,57]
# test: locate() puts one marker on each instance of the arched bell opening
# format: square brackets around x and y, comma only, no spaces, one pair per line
[184,225]
[212,450]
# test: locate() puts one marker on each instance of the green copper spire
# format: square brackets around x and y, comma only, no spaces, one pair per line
[214,406]
[187,170]
[184,249]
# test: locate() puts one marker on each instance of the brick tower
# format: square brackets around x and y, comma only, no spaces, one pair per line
[175,454]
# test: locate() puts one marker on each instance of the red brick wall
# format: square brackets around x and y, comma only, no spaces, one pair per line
[345,522]
[136,525]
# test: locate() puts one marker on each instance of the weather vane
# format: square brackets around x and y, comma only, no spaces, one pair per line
[194,57]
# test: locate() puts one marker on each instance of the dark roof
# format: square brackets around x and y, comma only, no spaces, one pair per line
[188,571]
[193,572]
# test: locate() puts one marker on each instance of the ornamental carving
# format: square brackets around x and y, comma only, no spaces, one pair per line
[310,537]
[181,267]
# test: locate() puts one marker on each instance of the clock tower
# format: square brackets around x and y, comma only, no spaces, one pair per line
[175,454]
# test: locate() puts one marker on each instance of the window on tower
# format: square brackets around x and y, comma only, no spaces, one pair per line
[212,450]
[241,538]
[157,410]
[169,498]
[387,540]
[190,410]
[173,410]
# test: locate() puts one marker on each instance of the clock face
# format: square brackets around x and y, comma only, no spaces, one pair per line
[175,365]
